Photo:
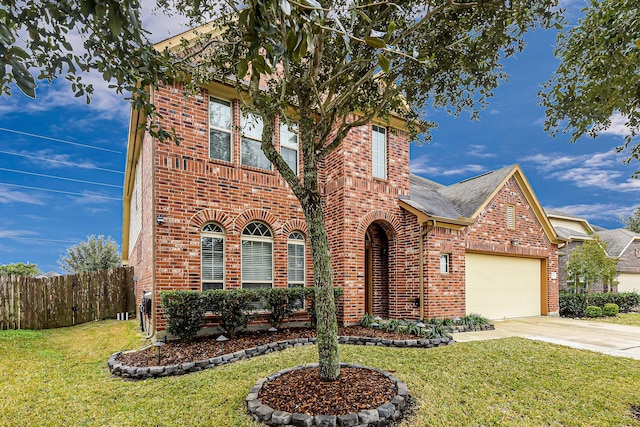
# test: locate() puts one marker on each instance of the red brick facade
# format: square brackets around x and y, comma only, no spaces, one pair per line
[181,183]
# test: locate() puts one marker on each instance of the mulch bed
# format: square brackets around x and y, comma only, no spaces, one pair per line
[178,352]
[302,391]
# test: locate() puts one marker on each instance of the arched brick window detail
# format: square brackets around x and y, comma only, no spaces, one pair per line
[212,250]
[257,256]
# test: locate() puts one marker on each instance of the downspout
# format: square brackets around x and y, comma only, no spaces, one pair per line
[423,234]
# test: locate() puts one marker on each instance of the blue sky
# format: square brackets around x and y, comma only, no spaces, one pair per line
[87,147]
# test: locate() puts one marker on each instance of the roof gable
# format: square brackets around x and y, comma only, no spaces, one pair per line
[618,240]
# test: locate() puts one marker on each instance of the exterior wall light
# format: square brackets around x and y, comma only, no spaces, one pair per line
[515,241]
[159,219]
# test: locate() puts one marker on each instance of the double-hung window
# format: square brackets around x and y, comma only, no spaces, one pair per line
[289,145]
[212,256]
[252,154]
[257,256]
[295,263]
[220,119]
[379,152]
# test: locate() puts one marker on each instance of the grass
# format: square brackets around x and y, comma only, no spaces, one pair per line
[630,319]
[58,377]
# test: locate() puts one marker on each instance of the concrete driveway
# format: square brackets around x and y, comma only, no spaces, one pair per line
[615,340]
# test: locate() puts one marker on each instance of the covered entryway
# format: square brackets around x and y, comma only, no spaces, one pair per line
[376,257]
[499,287]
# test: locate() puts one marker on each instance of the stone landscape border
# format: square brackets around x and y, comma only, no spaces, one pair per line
[139,373]
[378,417]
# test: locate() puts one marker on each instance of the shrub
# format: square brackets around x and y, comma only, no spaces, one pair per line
[234,307]
[593,311]
[473,319]
[281,303]
[572,305]
[391,325]
[184,311]
[366,320]
[627,301]
[610,310]
[310,294]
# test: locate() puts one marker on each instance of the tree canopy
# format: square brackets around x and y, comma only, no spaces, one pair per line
[589,265]
[94,254]
[632,222]
[598,76]
[327,66]
[19,269]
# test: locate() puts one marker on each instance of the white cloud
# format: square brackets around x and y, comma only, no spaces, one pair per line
[16,233]
[618,126]
[422,165]
[479,151]
[11,195]
[597,211]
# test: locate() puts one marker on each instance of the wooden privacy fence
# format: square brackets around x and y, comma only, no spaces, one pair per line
[54,302]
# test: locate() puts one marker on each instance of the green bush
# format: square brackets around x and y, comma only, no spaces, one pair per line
[593,311]
[367,320]
[627,301]
[473,319]
[281,303]
[610,310]
[234,306]
[184,311]
[572,305]
[310,294]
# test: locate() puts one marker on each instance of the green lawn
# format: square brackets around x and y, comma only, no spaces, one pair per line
[58,377]
[631,319]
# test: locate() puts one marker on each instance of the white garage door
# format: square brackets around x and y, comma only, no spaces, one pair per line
[499,287]
[629,282]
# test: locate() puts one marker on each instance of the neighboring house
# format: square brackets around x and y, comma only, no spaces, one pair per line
[621,244]
[624,245]
[211,213]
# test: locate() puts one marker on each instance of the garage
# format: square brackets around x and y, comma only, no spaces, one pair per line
[628,282]
[499,287]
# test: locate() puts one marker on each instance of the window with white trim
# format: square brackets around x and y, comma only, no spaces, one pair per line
[296,263]
[379,152]
[252,154]
[257,256]
[212,256]
[220,120]
[511,217]
[445,263]
[289,145]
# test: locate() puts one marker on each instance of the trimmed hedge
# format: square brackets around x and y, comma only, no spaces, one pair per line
[593,311]
[185,310]
[610,310]
[575,305]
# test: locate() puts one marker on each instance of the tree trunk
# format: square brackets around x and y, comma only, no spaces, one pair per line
[327,325]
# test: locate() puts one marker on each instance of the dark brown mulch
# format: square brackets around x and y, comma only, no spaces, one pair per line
[302,391]
[178,352]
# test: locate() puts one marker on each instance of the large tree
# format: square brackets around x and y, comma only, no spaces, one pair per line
[305,62]
[632,222]
[94,254]
[598,77]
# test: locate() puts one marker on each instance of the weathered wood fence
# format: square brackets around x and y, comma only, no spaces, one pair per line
[54,302]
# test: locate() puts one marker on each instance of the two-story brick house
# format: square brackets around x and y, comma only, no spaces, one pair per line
[211,213]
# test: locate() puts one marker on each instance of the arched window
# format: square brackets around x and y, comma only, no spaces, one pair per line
[296,263]
[257,256]
[212,256]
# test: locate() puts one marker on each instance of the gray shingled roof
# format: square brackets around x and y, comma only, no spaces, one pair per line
[555,212]
[617,240]
[569,234]
[462,199]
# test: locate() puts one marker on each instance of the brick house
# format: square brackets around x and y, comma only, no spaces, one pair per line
[211,213]
[622,244]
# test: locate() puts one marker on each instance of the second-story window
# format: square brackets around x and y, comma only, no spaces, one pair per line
[379,152]
[252,154]
[220,129]
[289,145]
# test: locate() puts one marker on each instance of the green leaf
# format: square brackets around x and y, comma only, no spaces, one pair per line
[286,7]
[364,16]
[243,68]
[384,63]
[390,29]
[24,79]
[375,42]
[313,3]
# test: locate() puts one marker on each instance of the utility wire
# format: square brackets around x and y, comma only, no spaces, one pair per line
[61,178]
[61,192]
[33,135]
[61,162]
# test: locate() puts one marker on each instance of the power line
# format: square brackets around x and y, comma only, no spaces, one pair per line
[60,178]
[61,162]
[33,135]
[60,191]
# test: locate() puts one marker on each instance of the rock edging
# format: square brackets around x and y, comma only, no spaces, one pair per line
[140,373]
[379,417]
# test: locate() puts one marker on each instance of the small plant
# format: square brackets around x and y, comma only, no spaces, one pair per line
[434,332]
[473,319]
[593,311]
[367,320]
[411,329]
[610,310]
[391,325]
[184,311]
[233,306]
[281,303]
